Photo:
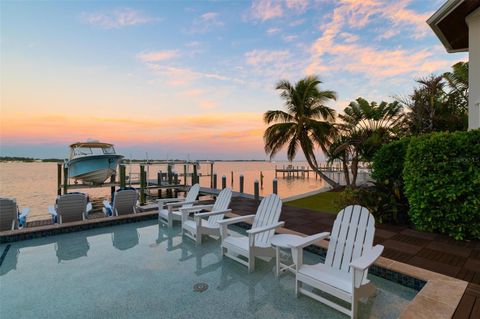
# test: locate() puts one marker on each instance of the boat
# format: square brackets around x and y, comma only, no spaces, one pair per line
[92,161]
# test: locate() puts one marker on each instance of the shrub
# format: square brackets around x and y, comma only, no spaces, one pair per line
[442,183]
[379,200]
[387,170]
[388,162]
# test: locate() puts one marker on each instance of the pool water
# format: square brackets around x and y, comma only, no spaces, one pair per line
[143,270]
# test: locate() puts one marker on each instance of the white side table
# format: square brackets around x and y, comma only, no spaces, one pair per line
[283,241]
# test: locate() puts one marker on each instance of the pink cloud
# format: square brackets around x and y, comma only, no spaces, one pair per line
[117,18]
[298,5]
[258,57]
[158,55]
[266,9]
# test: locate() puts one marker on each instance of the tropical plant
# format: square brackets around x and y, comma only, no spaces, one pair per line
[366,127]
[457,81]
[439,103]
[306,123]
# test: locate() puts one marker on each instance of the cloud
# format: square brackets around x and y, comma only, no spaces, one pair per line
[179,76]
[206,22]
[218,128]
[259,57]
[272,31]
[208,104]
[266,9]
[157,55]
[299,6]
[116,19]
[339,50]
[289,38]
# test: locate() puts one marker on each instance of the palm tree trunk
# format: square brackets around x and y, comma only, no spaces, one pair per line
[345,171]
[354,169]
[328,180]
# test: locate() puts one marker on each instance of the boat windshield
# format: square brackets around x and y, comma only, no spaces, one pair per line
[82,151]
[108,150]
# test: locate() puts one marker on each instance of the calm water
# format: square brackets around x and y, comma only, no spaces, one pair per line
[34,184]
[141,270]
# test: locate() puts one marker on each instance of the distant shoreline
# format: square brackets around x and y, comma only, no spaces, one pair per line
[19,159]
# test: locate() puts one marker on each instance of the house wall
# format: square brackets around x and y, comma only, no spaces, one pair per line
[473,21]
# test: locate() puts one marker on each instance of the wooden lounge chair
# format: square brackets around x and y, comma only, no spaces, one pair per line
[124,203]
[257,243]
[350,253]
[166,212]
[69,208]
[10,218]
[195,228]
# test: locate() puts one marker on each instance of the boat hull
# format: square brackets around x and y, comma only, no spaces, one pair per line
[94,169]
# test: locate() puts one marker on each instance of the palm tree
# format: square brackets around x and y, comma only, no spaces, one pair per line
[306,123]
[457,80]
[365,128]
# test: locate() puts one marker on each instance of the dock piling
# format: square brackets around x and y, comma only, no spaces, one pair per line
[184,174]
[241,183]
[142,185]
[231,174]
[122,168]
[261,179]
[256,189]
[112,188]
[59,179]
[194,175]
[224,181]
[275,185]
[211,175]
[214,181]
[65,179]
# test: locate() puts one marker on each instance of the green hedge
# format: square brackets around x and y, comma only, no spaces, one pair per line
[388,162]
[387,171]
[442,183]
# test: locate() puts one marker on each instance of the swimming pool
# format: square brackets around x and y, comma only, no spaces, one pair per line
[142,270]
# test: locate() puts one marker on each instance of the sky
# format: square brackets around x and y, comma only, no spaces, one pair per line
[191,79]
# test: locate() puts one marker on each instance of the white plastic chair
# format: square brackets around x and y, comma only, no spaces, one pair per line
[257,241]
[166,212]
[195,228]
[349,254]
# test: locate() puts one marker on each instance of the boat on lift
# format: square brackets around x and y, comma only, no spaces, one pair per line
[92,161]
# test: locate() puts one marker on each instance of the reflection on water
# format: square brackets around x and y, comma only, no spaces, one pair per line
[34,185]
[11,258]
[125,238]
[71,247]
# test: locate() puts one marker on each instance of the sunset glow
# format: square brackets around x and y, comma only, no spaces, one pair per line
[192,79]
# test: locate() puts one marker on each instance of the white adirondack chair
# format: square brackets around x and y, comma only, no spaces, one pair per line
[166,212]
[349,254]
[199,226]
[257,243]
